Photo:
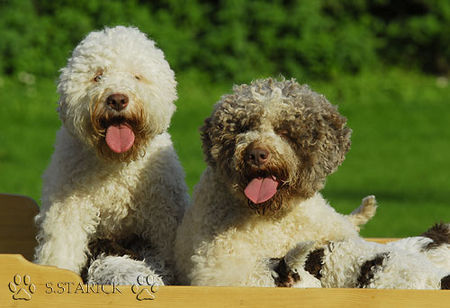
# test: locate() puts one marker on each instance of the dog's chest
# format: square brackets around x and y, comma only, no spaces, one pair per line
[269,238]
[116,220]
[115,203]
[272,237]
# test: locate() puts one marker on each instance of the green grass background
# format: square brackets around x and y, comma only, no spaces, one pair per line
[400,142]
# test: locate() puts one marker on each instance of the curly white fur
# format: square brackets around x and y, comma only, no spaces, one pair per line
[88,193]
[438,255]
[117,270]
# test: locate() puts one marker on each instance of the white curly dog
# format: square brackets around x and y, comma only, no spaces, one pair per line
[114,174]
[269,147]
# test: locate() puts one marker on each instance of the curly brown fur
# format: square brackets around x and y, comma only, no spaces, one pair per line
[439,233]
[314,138]
[314,262]
[112,247]
[369,268]
[445,283]
[284,277]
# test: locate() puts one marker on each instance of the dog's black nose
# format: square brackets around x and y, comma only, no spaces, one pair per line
[117,101]
[258,155]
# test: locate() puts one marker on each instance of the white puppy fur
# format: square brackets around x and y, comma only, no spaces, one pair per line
[225,239]
[117,270]
[356,263]
[434,244]
[95,188]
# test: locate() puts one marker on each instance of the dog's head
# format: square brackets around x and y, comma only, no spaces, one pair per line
[274,140]
[116,92]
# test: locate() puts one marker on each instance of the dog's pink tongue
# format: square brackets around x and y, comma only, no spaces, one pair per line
[260,190]
[119,138]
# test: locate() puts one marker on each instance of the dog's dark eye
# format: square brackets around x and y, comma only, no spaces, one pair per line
[98,77]
[283,132]
[242,129]
[138,77]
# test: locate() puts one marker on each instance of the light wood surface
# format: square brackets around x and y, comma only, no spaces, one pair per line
[17,228]
[381,240]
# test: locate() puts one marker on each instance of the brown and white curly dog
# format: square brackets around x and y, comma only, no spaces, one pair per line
[269,147]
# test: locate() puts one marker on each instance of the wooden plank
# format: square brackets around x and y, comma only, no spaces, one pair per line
[17,228]
[46,286]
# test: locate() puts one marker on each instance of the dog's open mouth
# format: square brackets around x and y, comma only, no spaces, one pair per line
[119,138]
[261,189]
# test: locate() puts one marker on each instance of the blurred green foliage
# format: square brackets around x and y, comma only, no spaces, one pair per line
[237,40]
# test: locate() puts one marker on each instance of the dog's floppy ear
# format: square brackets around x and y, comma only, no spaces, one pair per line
[327,149]
[63,112]
[339,137]
[335,141]
[206,140]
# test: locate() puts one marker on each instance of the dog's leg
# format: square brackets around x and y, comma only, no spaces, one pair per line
[125,262]
[364,212]
[65,229]
[122,270]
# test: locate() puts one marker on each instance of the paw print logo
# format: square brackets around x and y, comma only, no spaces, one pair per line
[145,289]
[22,287]
[142,293]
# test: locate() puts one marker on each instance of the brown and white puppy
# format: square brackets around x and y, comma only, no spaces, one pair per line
[419,262]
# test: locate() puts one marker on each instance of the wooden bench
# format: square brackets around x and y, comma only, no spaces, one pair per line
[23,283]
[17,228]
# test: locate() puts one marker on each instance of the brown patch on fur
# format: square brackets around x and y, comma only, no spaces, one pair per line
[286,277]
[269,207]
[439,234]
[102,118]
[314,262]
[110,247]
[445,283]
[369,268]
